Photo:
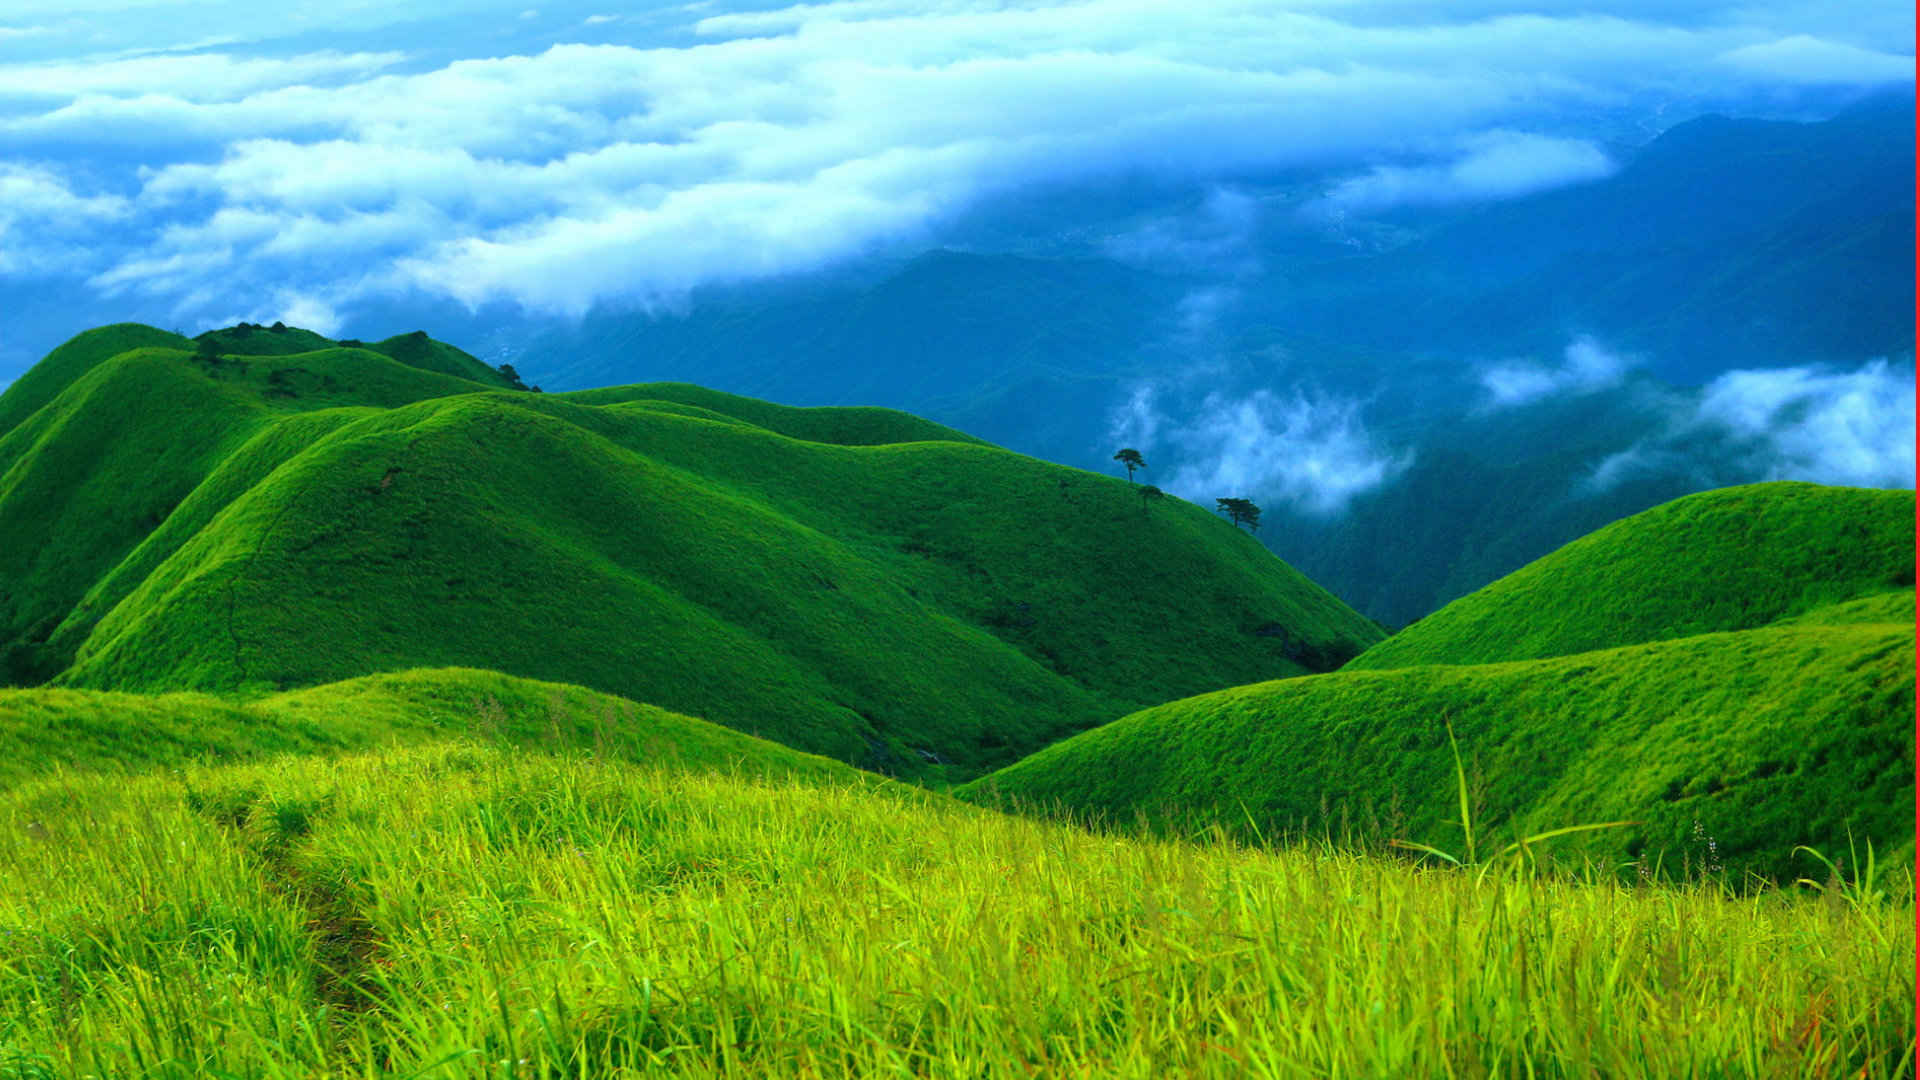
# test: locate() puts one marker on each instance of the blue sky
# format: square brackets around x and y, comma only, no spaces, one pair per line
[194,163]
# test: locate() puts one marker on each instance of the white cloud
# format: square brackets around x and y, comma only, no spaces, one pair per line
[1305,449]
[299,309]
[1801,423]
[1216,237]
[1802,58]
[43,221]
[1135,422]
[781,140]
[1494,165]
[1586,366]
[194,77]
[1810,424]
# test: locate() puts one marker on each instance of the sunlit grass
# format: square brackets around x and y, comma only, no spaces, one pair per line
[472,911]
[1729,747]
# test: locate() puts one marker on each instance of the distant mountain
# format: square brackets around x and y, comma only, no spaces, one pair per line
[1018,347]
[1771,704]
[1724,243]
[853,582]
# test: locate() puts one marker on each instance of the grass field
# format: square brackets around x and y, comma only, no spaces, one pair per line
[463,910]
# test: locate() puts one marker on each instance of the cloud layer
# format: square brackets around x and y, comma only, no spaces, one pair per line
[1491,165]
[584,164]
[1585,367]
[1804,423]
[1309,451]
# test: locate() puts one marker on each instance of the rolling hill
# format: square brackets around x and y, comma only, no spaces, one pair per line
[1771,705]
[119,427]
[852,582]
[49,731]
[1730,559]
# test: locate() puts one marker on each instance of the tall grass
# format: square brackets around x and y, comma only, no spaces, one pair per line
[460,911]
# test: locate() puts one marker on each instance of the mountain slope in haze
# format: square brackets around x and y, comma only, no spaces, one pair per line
[929,603]
[1802,253]
[1729,559]
[1802,256]
[1794,728]
[1481,498]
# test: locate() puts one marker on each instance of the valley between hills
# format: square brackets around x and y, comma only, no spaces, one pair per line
[370,713]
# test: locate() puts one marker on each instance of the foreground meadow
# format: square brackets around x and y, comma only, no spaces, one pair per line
[464,909]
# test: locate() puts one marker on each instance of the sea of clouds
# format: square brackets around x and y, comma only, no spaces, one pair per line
[225,161]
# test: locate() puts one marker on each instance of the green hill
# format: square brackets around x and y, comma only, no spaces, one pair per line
[1736,665]
[103,448]
[261,523]
[43,381]
[48,731]
[1757,740]
[844,426]
[1730,559]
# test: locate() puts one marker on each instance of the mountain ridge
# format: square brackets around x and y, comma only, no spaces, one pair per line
[851,581]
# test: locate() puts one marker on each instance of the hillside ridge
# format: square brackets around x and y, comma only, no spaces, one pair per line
[1728,559]
[854,582]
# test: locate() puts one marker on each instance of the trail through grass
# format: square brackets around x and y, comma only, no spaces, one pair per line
[459,910]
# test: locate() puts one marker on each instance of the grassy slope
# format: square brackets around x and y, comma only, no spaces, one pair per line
[1766,738]
[842,425]
[419,350]
[436,912]
[1729,559]
[51,731]
[60,368]
[855,581]
[837,598]
[98,467]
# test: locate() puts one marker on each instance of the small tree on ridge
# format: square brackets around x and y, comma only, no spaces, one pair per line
[1240,512]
